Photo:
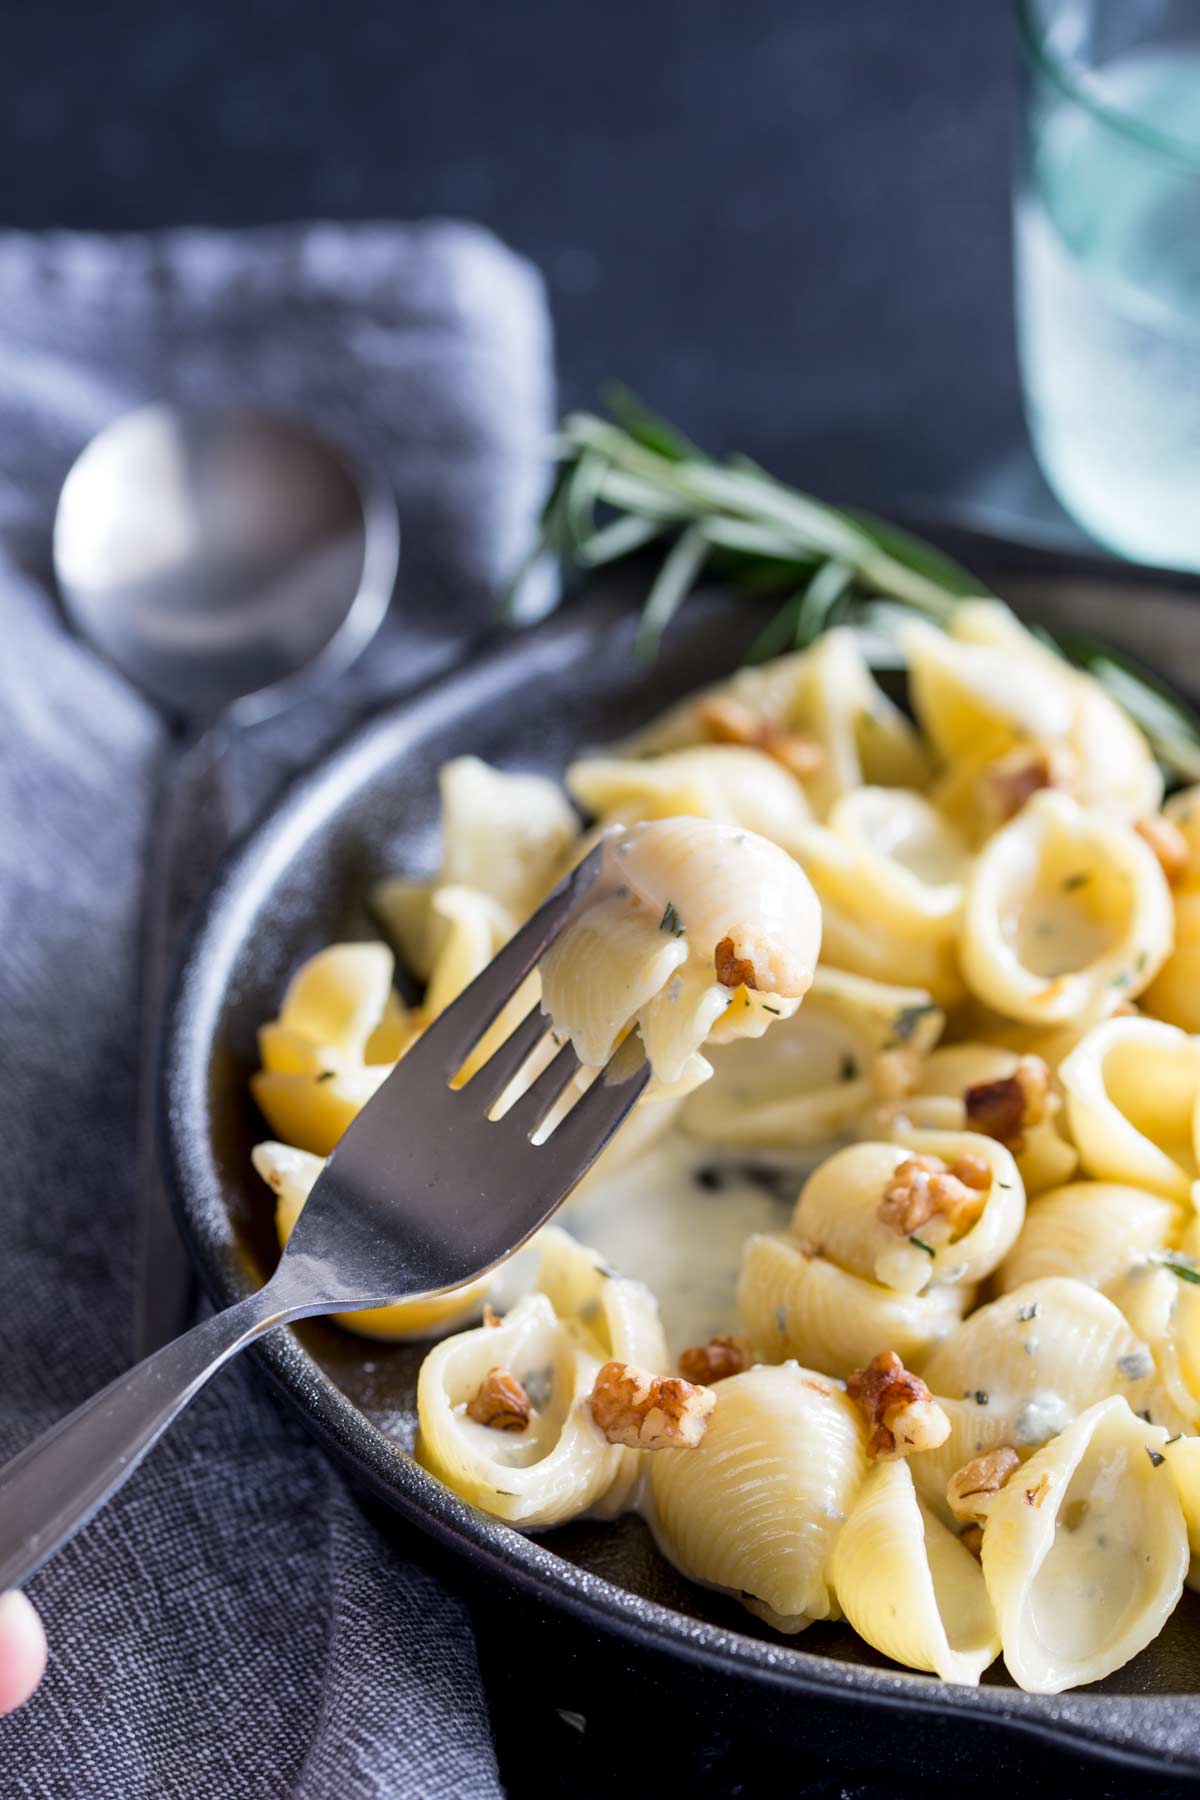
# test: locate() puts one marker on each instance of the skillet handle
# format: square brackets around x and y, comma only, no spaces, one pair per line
[55,1485]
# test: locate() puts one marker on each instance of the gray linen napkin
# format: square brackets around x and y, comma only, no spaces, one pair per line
[232,1625]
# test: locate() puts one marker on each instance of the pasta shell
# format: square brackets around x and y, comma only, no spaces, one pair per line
[337,998]
[1174,994]
[1089,1230]
[826,693]
[1045,1159]
[1115,768]
[1132,1089]
[1085,1551]
[611,1317]
[908,1585]
[809,1080]
[1183,1461]
[646,953]
[603,969]
[877,922]
[555,1469]
[503,834]
[1067,915]
[757,1507]
[838,1213]
[1039,1355]
[339,1015]
[795,1303]
[928,856]
[726,783]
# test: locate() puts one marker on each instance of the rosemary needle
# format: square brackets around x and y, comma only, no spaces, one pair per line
[631,481]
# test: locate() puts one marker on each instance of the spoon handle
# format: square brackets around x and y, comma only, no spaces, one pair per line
[58,1482]
[189,830]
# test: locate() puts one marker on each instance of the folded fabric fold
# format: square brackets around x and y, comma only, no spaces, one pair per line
[232,1624]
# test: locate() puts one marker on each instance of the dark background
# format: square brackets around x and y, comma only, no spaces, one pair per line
[784,222]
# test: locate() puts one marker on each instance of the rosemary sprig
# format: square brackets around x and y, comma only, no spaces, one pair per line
[632,481]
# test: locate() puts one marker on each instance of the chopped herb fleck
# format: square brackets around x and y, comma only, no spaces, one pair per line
[905,1022]
[671,921]
[326,1075]
[1078,880]
[1156,1457]
[1182,1269]
[1176,1438]
[772,1009]
[1006,1185]
[922,1245]
[781,1320]
[981,1398]
[709,1177]
[848,1068]
[1143,957]
[1025,1313]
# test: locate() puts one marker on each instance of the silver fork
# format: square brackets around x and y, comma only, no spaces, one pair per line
[424,1192]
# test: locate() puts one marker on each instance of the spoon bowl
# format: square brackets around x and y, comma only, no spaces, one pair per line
[224,561]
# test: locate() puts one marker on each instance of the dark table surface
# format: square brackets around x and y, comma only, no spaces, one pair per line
[785,223]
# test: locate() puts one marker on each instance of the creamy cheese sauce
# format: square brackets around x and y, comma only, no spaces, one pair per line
[676,1218]
[1094,1574]
[1053,934]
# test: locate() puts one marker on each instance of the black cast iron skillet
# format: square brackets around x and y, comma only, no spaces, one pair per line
[298,881]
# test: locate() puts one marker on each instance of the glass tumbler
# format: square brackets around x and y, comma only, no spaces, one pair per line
[1108,266]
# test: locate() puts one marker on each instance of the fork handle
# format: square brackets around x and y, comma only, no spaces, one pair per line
[55,1485]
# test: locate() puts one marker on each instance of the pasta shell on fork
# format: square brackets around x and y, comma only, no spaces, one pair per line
[701,929]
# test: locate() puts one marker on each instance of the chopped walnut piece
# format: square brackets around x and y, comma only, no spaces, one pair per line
[721,1356]
[501,1402]
[901,1413]
[971,1489]
[923,1186]
[733,970]
[1005,1109]
[724,720]
[1009,782]
[491,1317]
[1167,842]
[649,1412]
[895,1073]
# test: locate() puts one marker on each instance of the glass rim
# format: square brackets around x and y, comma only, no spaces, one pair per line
[1147,137]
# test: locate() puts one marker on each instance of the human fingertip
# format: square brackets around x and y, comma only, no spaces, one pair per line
[22,1651]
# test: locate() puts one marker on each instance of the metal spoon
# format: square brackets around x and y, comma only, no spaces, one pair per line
[226,562]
